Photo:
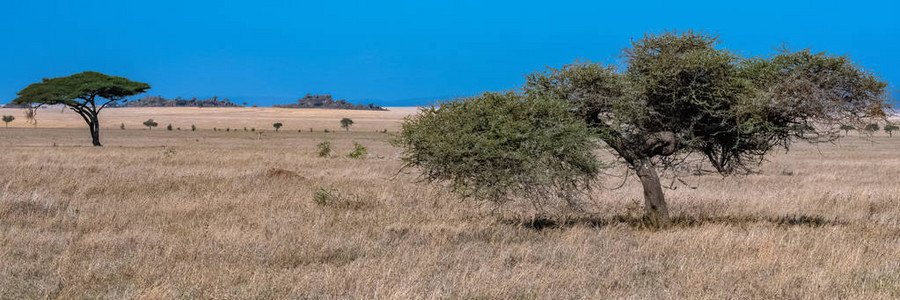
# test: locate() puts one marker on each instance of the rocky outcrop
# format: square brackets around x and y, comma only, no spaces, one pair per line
[326,102]
[157,101]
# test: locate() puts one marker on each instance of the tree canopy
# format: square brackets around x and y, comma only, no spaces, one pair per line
[86,93]
[679,98]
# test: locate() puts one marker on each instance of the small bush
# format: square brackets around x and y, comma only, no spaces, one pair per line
[253,129]
[122,126]
[193,128]
[169,127]
[359,151]
[179,128]
[324,148]
[326,131]
[215,129]
[228,129]
[245,129]
[329,197]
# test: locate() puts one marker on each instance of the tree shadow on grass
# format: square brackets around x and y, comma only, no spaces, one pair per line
[683,221]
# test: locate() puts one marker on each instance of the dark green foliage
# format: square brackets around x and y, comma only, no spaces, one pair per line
[847,128]
[890,128]
[150,124]
[677,96]
[873,127]
[253,129]
[169,127]
[346,123]
[7,119]
[324,148]
[193,128]
[86,93]
[326,131]
[359,151]
[277,126]
[501,146]
[228,129]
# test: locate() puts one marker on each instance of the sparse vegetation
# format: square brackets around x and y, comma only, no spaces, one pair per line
[324,148]
[7,119]
[150,124]
[359,151]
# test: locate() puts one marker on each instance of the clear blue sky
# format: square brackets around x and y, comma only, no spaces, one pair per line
[396,52]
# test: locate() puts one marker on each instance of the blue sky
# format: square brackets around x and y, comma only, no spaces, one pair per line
[396,52]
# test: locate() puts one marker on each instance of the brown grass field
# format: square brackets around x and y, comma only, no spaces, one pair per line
[181,214]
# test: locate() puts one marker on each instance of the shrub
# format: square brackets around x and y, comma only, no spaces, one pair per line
[847,128]
[253,129]
[502,146]
[359,151]
[193,128]
[169,128]
[277,126]
[326,131]
[329,197]
[324,148]
[122,126]
[872,127]
[228,129]
[245,129]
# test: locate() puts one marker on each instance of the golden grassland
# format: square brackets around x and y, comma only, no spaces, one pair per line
[180,214]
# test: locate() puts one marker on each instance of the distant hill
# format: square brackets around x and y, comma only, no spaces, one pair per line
[157,101]
[325,102]
[11,105]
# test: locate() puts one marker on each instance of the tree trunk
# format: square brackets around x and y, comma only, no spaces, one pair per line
[95,131]
[654,199]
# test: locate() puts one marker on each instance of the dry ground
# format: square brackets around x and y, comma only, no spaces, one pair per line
[158,214]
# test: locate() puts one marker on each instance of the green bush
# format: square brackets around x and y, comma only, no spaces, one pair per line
[502,146]
[193,128]
[324,148]
[359,151]
[169,127]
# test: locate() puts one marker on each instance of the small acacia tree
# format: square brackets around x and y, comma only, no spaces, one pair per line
[890,128]
[7,119]
[846,129]
[276,125]
[678,97]
[346,123]
[86,93]
[872,128]
[150,124]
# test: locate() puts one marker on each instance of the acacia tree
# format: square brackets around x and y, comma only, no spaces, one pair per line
[679,98]
[7,119]
[872,128]
[86,93]
[276,125]
[150,124]
[346,123]
[846,129]
[890,128]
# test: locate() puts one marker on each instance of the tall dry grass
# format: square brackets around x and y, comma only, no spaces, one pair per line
[158,214]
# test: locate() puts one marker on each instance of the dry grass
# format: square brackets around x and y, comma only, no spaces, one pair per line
[221,215]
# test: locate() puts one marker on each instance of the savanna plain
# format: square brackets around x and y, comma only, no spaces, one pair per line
[250,214]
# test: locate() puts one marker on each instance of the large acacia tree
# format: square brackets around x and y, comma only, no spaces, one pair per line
[678,97]
[86,93]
